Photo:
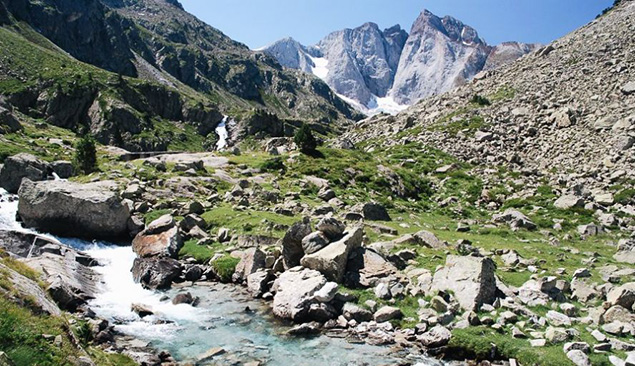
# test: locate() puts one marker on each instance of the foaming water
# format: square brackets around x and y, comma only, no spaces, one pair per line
[221,131]
[219,321]
[8,210]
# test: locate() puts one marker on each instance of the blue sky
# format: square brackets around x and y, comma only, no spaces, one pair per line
[260,22]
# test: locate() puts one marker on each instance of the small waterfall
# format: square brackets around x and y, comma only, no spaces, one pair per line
[221,131]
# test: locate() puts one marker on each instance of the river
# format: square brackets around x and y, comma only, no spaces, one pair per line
[219,320]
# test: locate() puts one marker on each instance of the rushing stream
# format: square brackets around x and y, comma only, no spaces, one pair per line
[219,320]
[221,131]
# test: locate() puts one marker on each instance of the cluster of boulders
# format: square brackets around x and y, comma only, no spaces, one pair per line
[21,166]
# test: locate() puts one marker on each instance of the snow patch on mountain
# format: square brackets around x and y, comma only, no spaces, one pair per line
[320,68]
[385,71]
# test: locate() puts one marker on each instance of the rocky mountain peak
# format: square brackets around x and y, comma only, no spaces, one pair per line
[390,69]
[175,3]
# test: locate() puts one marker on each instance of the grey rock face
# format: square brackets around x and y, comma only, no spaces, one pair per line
[440,54]
[471,279]
[21,166]
[73,209]
[295,291]
[365,62]
[507,52]
[290,53]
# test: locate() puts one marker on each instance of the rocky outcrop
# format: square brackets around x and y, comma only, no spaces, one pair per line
[160,239]
[331,261]
[471,279]
[25,288]
[22,243]
[20,166]
[8,122]
[68,274]
[91,211]
[69,282]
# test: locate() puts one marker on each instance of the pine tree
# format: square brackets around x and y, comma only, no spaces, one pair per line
[85,158]
[304,139]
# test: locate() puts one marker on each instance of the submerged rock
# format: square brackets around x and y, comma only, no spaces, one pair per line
[72,209]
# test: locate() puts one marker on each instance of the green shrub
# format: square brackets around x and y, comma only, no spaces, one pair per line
[225,267]
[625,196]
[480,100]
[85,157]
[305,140]
[271,165]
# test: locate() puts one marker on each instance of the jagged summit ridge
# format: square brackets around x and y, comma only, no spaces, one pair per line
[387,70]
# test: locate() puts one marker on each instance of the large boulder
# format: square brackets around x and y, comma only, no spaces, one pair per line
[515,219]
[365,268]
[257,282]
[568,201]
[331,260]
[22,166]
[292,251]
[8,122]
[251,261]
[160,239]
[625,251]
[295,290]
[471,279]
[332,228]
[72,209]
[438,336]
[314,242]
[623,295]
[374,211]
[156,273]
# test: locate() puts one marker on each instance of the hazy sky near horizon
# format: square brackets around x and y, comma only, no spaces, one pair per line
[260,22]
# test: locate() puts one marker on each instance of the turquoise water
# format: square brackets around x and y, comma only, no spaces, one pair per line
[219,321]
